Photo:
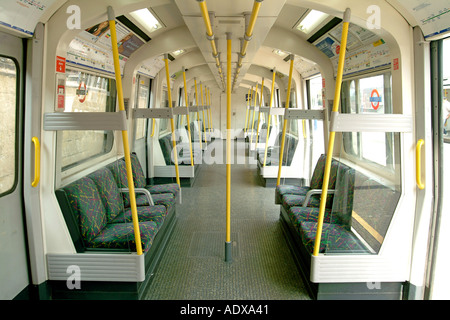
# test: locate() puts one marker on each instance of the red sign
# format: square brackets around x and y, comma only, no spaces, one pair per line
[61,97]
[60,64]
[338,49]
[82,92]
[396,65]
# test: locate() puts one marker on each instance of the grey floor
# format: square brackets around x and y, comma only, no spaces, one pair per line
[193,265]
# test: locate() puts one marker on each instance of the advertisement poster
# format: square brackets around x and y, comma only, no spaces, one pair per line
[23,15]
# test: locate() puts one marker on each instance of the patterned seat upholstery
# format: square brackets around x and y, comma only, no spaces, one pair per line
[155,213]
[335,238]
[289,195]
[87,206]
[140,181]
[297,215]
[164,195]
[315,183]
[121,236]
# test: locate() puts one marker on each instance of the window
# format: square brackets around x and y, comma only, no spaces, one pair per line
[369,95]
[446,90]
[164,123]
[142,102]
[8,116]
[315,102]
[86,92]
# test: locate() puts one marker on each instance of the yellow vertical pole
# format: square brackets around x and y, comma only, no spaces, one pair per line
[337,97]
[270,117]
[126,147]
[203,112]
[283,136]
[253,118]
[259,113]
[198,114]
[187,116]
[210,111]
[172,124]
[246,113]
[228,186]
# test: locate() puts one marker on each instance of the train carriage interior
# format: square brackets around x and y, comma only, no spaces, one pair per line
[224,150]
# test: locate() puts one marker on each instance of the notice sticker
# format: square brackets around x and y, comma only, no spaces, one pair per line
[60,64]
[395,64]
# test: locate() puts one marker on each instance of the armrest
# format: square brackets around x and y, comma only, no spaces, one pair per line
[140,190]
[313,192]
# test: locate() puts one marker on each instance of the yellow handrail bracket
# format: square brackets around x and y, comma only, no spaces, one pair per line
[419,182]
[37,162]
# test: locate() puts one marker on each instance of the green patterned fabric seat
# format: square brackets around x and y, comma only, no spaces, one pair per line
[121,236]
[297,198]
[87,207]
[165,195]
[315,183]
[299,214]
[335,238]
[273,158]
[155,213]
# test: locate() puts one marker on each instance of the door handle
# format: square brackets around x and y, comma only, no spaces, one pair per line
[419,182]
[37,162]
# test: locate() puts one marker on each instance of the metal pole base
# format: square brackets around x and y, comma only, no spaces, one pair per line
[228,252]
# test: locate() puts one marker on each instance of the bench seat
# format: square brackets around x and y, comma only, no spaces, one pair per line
[165,194]
[104,224]
[336,238]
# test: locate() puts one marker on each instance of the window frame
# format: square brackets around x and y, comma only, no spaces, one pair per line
[109,139]
[357,155]
[17,128]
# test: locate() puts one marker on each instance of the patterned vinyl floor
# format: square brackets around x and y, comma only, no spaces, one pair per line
[193,266]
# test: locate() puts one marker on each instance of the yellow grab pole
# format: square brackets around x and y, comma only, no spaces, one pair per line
[126,147]
[246,113]
[203,112]
[259,114]
[337,96]
[283,136]
[248,34]
[198,114]
[228,192]
[172,124]
[187,116]
[270,117]
[253,117]
[210,111]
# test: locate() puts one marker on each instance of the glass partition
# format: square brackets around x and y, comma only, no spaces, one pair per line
[363,205]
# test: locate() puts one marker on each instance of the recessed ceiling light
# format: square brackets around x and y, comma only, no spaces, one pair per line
[280,52]
[146,19]
[177,52]
[311,21]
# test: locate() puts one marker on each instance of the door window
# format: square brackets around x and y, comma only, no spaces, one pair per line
[8,124]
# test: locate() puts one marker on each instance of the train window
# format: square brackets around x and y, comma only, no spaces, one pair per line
[446,93]
[164,123]
[142,101]
[369,95]
[86,92]
[8,125]
[315,102]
